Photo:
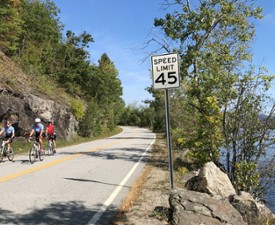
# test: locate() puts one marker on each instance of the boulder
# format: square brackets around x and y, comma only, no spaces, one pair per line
[213,181]
[253,212]
[193,208]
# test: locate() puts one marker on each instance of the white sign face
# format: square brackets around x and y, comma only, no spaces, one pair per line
[165,71]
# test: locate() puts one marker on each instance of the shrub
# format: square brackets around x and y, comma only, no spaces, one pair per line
[78,108]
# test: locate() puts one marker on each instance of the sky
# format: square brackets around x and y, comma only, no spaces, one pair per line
[120,28]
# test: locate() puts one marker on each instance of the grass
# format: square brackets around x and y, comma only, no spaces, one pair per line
[22,146]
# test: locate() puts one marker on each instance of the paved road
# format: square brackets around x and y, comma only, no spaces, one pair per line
[82,184]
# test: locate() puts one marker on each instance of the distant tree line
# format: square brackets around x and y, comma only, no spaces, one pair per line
[33,36]
[136,115]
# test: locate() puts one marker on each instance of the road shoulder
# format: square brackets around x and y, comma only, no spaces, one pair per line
[147,201]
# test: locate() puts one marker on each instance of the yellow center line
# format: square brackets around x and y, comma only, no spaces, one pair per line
[55,162]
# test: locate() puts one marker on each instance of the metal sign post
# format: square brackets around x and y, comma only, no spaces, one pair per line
[165,74]
[169,142]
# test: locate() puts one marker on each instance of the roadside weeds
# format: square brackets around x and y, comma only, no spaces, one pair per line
[147,201]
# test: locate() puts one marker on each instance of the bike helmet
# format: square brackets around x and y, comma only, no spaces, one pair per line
[37,120]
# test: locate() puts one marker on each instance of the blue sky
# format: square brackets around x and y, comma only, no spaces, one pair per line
[120,28]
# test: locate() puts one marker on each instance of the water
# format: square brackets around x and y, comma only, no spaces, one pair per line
[270,196]
[270,199]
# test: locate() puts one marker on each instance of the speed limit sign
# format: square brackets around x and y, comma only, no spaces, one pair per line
[165,71]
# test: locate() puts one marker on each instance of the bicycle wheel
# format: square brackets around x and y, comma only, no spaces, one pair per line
[32,154]
[1,154]
[50,148]
[11,154]
[41,154]
[54,150]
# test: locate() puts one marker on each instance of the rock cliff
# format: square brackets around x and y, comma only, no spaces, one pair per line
[21,103]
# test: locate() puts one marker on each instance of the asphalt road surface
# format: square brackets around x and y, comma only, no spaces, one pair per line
[82,184]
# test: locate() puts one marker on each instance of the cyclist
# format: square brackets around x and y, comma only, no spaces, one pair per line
[51,134]
[8,129]
[38,130]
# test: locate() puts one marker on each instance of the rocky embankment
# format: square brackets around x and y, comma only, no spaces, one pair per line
[210,199]
[22,108]
[21,103]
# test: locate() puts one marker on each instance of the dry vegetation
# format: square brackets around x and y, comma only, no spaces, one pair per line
[147,202]
[10,75]
[13,78]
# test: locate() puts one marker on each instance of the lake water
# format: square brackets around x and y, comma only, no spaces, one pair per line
[270,198]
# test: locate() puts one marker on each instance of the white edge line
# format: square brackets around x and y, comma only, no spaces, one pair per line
[111,198]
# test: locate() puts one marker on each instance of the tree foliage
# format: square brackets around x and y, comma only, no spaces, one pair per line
[72,65]
[134,115]
[10,25]
[212,41]
[40,36]
[248,133]
[218,99]
[32,34]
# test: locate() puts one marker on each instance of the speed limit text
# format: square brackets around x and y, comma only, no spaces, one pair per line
[162,64]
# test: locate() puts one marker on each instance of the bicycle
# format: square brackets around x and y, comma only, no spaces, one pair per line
[51,149]
[5,153]
[35,152]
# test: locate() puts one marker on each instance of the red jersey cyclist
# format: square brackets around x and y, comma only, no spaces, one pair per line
[51,134]
[38,130]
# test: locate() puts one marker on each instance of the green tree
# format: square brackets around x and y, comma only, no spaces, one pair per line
[110,92]
[248,130]
[90,125]
[158,110]
[106,65]
[10,25]
[131,115]
[111,89]
[31,32]
[213,41]
[223,100]
[40,36]
[102,89]
[146,115]
[73,67]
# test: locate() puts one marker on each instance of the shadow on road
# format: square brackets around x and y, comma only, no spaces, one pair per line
[121,154]
[93,181]
[63,213]
[145,138]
